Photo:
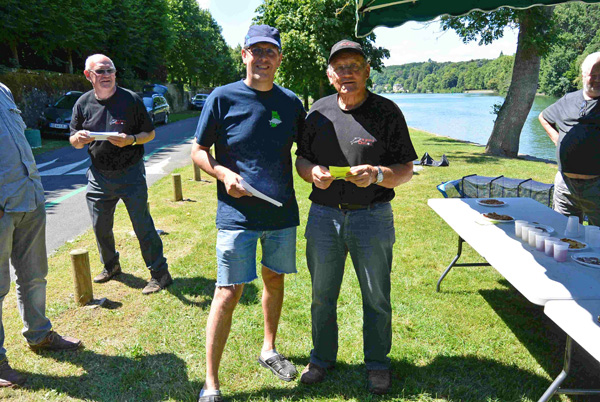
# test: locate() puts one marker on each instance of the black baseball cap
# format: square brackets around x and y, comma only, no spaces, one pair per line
[262,33]
[346,44]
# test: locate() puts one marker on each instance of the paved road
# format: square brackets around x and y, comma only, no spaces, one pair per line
[63,177]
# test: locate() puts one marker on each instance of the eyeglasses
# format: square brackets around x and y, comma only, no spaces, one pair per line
[104,71]
[352,68]
[259,52]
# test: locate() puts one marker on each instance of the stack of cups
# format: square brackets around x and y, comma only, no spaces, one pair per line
[572,229]
[540,241]
[549,245]
[561,249]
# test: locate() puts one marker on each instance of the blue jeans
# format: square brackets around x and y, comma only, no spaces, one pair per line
[368,235]
[23,242]
[236,253]
[104,190]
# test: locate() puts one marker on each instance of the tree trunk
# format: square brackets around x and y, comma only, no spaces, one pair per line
[504,140]
[70,64]
[305,96]
[15,53]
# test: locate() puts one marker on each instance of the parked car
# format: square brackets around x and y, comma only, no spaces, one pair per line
[198,101]
[158,108]
[55,119]
[152,89]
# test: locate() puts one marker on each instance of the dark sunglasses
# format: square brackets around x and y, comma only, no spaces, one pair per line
[104,71]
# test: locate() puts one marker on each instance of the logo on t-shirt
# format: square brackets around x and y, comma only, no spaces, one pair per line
[114,122]
[275,119]
[362,141]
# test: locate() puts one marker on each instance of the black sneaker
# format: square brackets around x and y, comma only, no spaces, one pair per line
[107,275]
[156,285]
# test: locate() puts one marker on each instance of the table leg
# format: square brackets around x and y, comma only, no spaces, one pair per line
[453,263]
[554,388]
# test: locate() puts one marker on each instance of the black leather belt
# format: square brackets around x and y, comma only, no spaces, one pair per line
[348,207]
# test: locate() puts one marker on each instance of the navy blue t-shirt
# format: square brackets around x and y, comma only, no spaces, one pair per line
[253,133]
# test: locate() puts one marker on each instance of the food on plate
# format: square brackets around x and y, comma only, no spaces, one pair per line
[498,217]
[589,260]
[491,201]
[573,244]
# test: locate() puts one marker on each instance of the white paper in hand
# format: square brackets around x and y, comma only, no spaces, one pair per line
[102,136]
[258,194]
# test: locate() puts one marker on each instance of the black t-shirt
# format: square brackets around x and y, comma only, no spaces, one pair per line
[375,133]
[578,123]
[124,112]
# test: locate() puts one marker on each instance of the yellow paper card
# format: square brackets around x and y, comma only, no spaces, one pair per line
[339,172]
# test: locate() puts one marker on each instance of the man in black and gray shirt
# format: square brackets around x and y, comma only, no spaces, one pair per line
[117,171]
[573,124]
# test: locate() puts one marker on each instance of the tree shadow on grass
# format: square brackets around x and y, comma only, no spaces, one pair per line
[117,378]
[544,339]
[199,291]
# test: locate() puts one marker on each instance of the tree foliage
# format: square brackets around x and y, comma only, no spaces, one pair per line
[431,76]
[147,39]
[578,27]
[309,28]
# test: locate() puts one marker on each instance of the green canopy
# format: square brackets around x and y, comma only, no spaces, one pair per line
[392,13]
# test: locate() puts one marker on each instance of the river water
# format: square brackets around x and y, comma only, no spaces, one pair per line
[467,116]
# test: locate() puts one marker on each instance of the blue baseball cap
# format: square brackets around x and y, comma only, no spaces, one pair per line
[262,33]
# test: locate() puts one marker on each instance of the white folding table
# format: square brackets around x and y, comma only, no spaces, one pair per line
[538,277]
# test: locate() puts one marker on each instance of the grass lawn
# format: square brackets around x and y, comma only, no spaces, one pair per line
[477,340]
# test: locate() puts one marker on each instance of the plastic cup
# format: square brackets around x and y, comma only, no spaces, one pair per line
[525,232]
[560,251]
[572,229]
[549,245]
[593,239]
[518,225]
[540,241]
[588,230]
[533,232]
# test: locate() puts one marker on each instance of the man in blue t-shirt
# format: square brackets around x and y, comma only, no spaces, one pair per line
[252,124]
[573,124]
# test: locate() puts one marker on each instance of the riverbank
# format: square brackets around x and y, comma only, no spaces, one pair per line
[477,340]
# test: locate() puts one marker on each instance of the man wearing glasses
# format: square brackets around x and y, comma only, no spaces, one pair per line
[252,124]
[354,149]
[572,123]
[115,124]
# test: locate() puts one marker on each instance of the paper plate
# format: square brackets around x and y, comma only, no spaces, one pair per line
[497,220]
[483,202]
[591,260]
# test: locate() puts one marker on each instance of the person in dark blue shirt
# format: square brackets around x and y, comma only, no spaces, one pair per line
[252,124]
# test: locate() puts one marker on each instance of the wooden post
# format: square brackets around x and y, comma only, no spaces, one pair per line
[177,193]
[82,279]
[197,174]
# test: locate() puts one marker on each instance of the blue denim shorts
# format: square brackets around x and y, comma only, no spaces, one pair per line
[236,254]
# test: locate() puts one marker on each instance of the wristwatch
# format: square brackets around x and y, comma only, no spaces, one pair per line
[134,140]
[379,175]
